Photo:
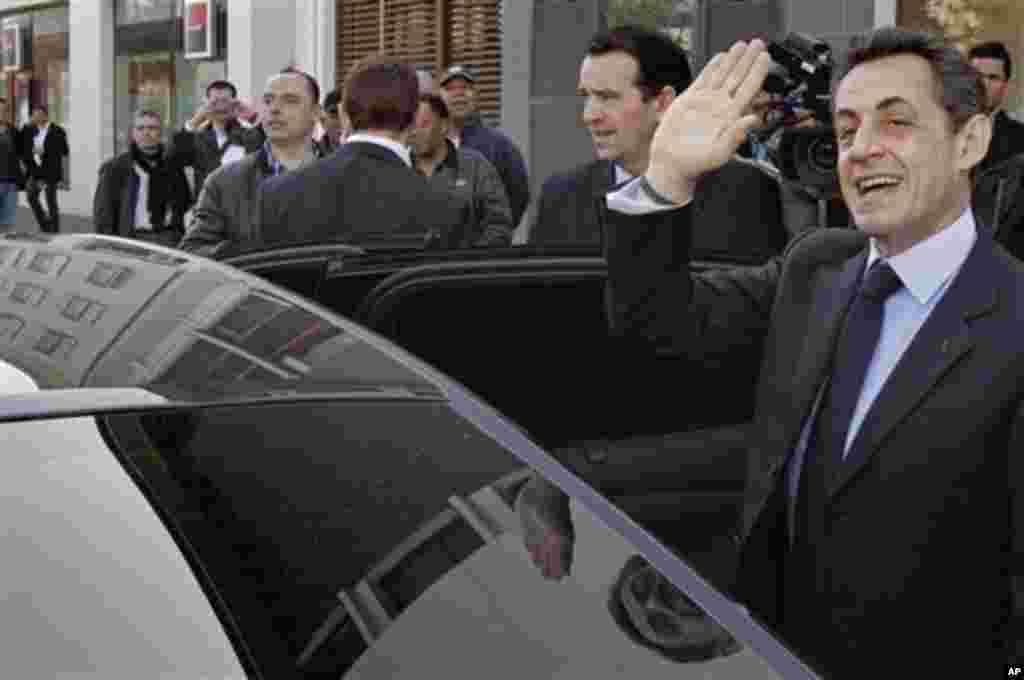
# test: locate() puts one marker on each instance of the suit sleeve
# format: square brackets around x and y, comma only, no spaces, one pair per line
[209,231]
[544,211]
[1013,624]
[64,148]
[653,299]
[512,170]
[106,201]
[182,149]
[495,216]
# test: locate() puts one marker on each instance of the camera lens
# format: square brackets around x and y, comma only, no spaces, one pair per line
[822,155]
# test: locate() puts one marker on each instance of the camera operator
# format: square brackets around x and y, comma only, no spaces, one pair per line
[217,133]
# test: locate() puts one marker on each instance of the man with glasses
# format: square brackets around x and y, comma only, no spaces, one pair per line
[143,193]
[992,60]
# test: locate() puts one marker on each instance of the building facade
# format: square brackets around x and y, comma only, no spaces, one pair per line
[92,62]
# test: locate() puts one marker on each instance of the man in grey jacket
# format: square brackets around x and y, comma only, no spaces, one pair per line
[227,217]
[462,171]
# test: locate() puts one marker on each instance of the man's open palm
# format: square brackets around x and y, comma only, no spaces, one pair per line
[704,125]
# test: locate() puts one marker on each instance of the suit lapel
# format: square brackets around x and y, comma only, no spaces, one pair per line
[942,341]
[832,298]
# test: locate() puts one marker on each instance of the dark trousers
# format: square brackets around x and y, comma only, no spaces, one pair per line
[49,220]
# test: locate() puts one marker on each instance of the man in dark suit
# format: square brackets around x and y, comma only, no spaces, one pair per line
[142,194]
[216,134]
[367,191]
[627,79]
[992,60]
[45,151]
[881,524]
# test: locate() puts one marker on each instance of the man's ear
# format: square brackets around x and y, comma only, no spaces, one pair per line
[664,98]
[973,141]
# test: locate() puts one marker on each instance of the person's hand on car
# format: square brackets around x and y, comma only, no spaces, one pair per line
[546,521]
[703,127]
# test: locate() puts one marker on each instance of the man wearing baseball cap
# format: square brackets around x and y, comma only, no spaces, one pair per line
[458,89]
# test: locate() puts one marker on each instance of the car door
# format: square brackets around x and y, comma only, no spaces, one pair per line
[525,329]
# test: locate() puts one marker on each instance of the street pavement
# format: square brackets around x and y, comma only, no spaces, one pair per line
[69,224]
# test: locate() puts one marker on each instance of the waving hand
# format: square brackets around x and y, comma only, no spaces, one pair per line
[705,124]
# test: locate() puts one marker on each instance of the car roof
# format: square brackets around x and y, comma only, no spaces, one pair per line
[82,553]
[96,311]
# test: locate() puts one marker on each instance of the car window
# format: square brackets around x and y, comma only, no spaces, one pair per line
[384,539]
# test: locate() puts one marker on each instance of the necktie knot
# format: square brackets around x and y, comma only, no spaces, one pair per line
[881,282]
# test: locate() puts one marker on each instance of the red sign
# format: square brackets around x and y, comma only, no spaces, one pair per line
[199,29]
[197,14]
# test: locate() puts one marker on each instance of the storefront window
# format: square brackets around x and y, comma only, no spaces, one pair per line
[34,55]
[151,71]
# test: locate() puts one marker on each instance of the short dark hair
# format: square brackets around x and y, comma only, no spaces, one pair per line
[311,84]
[993,50]
[382,92]
[222,85]
[436,103]
[40,107]
[331,101]
[958,87]
[660,61]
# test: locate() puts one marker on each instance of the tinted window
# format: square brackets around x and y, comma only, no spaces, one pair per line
[381,539]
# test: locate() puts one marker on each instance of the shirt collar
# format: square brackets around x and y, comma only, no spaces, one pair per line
[926,266]
[400,149]
[621,176]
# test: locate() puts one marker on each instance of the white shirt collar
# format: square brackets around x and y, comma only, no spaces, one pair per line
[621,176]
[926,266]
[400,149]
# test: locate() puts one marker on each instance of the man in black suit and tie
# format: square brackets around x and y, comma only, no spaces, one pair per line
[881,528]
[45,151]
[627,80]
[367,191]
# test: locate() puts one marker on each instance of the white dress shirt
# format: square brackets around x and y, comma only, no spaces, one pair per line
[38,143]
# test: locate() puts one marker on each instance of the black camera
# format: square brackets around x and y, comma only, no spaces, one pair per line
[804,154]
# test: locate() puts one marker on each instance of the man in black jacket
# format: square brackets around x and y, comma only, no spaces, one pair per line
[142,193]
[215,135]
[992,60]
[45,153]
[367,191]
[628,78]
[227,218]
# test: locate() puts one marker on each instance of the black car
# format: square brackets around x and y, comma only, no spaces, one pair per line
[212,476]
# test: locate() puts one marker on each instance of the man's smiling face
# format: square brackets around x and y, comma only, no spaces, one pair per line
[904,171]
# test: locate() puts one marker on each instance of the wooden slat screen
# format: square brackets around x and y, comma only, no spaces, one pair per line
[358,34]
[410,31]
[431,34]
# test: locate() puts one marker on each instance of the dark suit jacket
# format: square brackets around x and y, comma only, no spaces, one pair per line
[923,525]
[570,210]
[55,148]
[1007,140]
[117,191]
[361,193]
[199,149]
